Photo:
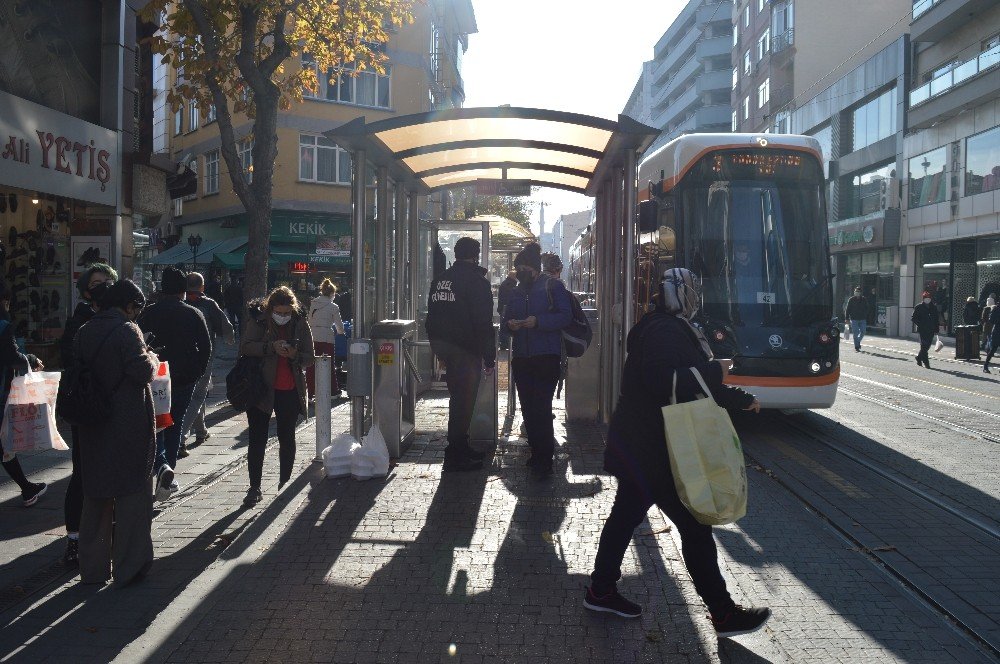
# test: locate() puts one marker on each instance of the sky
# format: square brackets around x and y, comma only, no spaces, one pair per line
[583,57]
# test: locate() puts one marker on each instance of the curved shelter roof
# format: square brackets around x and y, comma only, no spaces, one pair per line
[456,147]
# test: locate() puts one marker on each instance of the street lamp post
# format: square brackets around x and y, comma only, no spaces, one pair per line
[194,241]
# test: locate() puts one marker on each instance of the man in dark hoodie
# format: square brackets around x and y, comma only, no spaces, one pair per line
[179,335]
[460,329]
[91,284]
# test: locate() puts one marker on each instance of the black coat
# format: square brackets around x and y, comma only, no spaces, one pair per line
[81,315]
[180,337]
[658,346]
[971,314]
[857,308]
[925,317]
[503,293]
[460,311]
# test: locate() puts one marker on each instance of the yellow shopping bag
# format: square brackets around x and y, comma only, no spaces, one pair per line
[706,458]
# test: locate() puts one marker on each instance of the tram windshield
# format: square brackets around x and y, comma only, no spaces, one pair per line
[757,237]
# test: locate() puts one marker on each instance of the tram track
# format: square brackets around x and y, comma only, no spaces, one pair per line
[853,483]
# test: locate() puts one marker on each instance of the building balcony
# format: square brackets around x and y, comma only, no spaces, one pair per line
[966,71]
[934,20]
[783,41]
[680,79]
[968,85]
[721,79]
[719,12]
[678,107]
[665,68]
[714,47]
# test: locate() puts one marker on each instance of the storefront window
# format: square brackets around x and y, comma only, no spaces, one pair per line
[928,177]
[988,269]
[982,158]
[934,276]
[862,192]
[875,273]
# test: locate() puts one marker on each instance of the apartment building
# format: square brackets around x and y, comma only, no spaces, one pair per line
[788,51]
[951,193]
[685,87]
[310,223]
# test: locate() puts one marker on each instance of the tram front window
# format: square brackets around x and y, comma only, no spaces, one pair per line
[760,249]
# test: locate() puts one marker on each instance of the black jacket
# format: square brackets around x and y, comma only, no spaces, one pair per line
[180,336]
[503,293]
[81,315]
[658,346]
[218,324]
[994,321]
[971,313]
[925,317]
[460,312]
[11,358]
[857,308]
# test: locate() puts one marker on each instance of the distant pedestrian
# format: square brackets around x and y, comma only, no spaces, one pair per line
[345,301]
[991,303]
[213,288]
[221,330]
[994,337]
[504,290]
[663,348]
[179,335]
[460,329]
[91,285]
[536,315]
[276,331]
[552,265]
[925,317]
[118,453]
[970,316]
[325,323]
[857,313]
[235,304]
[11,360]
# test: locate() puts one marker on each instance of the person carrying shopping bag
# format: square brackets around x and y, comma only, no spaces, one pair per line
[277,332]
[117,453]
[324,323]
[662,346]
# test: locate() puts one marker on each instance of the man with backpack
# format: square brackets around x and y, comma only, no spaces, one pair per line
[538,311]
[460,328]
[179,335]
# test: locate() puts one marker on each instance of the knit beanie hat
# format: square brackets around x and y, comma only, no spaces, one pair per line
[530,256]
[173,281]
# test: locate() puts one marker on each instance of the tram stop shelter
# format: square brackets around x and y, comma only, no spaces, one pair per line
[417,156]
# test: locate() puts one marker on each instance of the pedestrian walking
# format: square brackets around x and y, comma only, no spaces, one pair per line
[504,290]
[213,288]
[276,331]
[118,453]
[11,360]
[664,347]
[91,285]
[324,323]
[970,316]
[925,317]
[536,314]
[220,329]
[857,313]
[994,337]
[460,328]
[552,265]
[179,335]
[991,303]
[233,299]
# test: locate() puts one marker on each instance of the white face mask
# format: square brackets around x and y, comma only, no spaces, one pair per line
[281,320]
[927,300]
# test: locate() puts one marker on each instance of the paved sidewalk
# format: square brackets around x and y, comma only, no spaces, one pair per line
[397,570]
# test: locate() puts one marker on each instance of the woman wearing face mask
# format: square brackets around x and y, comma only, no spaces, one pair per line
[662,344]
[925,317]
[117,454]
[276,331]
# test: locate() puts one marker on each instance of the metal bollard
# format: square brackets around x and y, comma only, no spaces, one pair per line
[323,387]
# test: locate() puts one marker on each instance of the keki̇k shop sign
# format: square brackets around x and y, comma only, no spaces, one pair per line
[46,151]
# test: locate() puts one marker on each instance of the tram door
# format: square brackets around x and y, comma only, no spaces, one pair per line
[437,245]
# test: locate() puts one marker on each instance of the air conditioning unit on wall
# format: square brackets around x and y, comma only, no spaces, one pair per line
[889,194]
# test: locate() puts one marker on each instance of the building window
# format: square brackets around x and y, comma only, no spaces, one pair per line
[211,116]
[734,121]
[339,84]
[193,165]
[982,159]
[178,121]
[863,193]
[764,44]
[736,77]
[212,172]
[322,160]
[736,34]
[746,108]
[764,93]
[245,150]
[927,177]
[760,5]
[192,116]
[746,62]
[875,120]
[746,16]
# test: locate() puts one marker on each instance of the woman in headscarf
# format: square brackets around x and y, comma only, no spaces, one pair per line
[661,345]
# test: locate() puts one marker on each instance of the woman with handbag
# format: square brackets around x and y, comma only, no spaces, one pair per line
[117,452]
[662,346]
[324,323]
[277,332]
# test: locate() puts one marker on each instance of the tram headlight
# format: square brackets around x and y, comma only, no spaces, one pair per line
[815,367]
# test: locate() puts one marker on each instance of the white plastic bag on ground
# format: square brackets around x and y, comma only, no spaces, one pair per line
[372,459]
[29,417]
[337,457]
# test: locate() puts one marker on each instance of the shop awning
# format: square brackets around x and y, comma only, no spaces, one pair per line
[236,260]
[181,253]
[459,146]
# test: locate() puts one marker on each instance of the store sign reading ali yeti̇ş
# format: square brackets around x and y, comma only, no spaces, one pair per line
[44,150]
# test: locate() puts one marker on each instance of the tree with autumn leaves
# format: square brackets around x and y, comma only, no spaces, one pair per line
[242,57]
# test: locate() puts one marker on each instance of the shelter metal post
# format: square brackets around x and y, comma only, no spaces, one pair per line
[399,253]
[601,292]
[382,215]
[323,386]
[617,283]
[412,256]
[628,243]
[360,327]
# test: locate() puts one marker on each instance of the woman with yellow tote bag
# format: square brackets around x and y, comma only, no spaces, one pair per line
[661,347]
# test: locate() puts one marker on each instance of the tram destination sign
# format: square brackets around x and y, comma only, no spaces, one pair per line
[503,187]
